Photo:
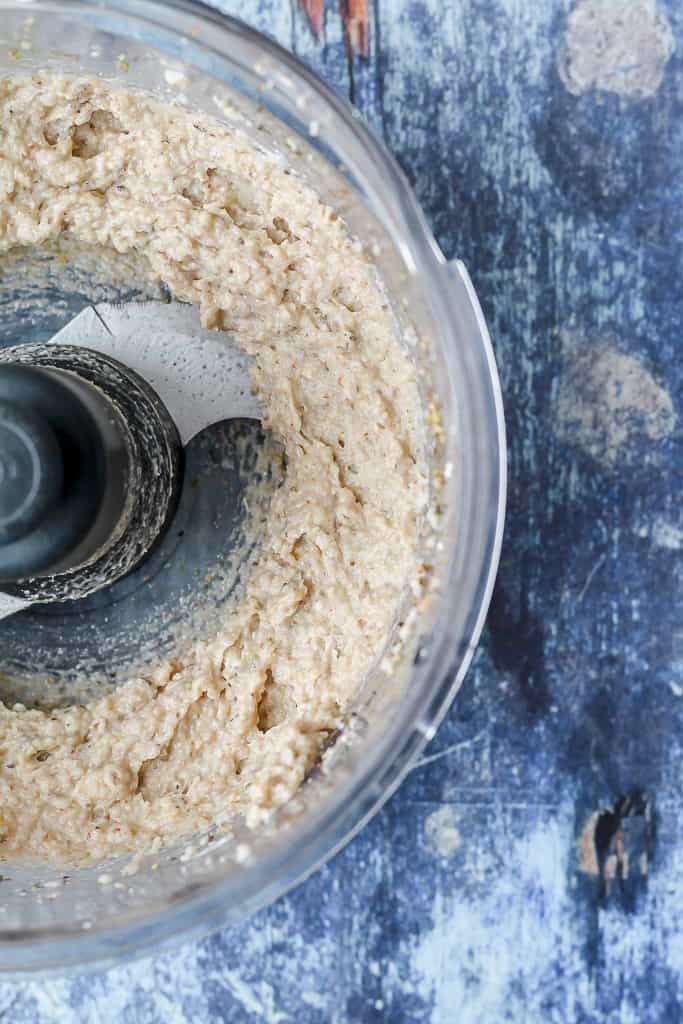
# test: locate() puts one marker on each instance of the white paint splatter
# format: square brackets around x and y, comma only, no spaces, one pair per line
[607,400]
[455,960]
[661,533]
[666,535]
[441,831]
[615,47]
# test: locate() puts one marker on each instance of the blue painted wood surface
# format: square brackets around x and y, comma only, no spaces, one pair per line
[531,866]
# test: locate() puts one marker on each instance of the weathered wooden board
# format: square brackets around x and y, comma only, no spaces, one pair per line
[531,867]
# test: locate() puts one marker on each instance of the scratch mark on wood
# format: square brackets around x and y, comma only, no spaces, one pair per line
[589,578]
[431,758]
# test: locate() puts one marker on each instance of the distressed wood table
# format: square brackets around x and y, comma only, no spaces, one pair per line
[531,867]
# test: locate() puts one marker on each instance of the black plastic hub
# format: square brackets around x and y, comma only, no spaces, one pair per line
[53,464]
[31,470]
[90,471]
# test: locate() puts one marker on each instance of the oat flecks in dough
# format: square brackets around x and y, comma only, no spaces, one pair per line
[234,724]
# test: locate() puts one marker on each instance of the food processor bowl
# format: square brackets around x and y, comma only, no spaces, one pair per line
[52,920]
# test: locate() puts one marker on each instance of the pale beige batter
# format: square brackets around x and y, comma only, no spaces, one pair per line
[236,724]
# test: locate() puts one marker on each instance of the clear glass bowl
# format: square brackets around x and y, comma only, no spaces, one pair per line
[193,55]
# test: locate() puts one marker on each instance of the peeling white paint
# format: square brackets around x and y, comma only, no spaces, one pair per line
[454,961]
[607,400]
[615,47]
[441,831]
[666,535]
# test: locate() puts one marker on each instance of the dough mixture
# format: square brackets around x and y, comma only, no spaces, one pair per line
[235,724]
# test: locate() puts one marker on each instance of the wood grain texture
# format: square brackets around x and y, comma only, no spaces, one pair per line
[530,868]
